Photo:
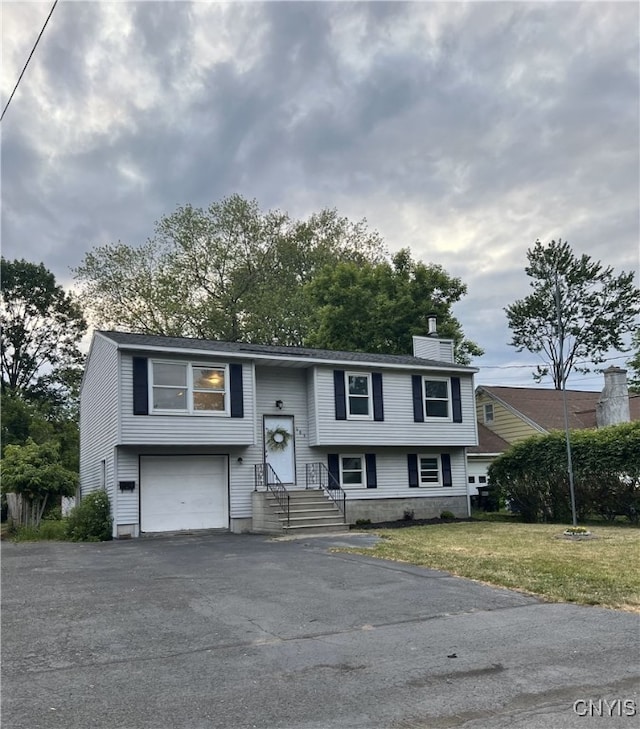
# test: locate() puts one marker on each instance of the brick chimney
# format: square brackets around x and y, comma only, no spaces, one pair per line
[613,406]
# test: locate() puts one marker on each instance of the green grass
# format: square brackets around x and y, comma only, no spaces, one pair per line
[532,558]
[49,530]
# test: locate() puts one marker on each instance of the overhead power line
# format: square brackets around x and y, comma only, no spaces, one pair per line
[35,45]
[543,364]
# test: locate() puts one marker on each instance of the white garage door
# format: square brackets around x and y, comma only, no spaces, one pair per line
[183,492]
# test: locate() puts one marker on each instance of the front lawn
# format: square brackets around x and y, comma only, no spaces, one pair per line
[534,558]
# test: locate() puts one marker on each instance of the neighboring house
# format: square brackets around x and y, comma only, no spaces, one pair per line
[507,415]
[479,458]
[187,433]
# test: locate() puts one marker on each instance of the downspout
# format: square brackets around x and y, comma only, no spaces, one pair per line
[466,478]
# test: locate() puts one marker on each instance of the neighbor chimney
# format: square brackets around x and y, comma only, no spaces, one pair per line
[613,406]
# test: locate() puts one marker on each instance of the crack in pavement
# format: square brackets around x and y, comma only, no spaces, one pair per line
[320,635]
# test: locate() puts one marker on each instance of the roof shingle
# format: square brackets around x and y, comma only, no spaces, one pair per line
[153,341]
[545,407]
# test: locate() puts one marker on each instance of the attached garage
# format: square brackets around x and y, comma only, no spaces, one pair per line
[183,492]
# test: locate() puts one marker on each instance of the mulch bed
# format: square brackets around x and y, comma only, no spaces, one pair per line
[403,523]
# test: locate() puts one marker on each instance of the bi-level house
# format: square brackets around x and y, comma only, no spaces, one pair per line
[188,434]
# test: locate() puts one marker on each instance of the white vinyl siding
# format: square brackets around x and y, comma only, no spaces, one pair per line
[433,348]
[398,427]
[128,470]
[185,429]
[99,419]
[312,425]
[393,476]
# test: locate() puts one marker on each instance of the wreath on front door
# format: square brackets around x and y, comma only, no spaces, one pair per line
[278,439]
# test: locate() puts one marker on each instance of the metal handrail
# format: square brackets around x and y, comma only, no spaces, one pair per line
[267,478]
[319,476]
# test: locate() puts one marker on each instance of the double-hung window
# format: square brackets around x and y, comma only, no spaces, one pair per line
[170,386]
[488,412]
[209,387]
[436,398]
[352,471]
[358,395]
[429,471]
[182,387]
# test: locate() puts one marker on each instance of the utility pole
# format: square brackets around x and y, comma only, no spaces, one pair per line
[564,402]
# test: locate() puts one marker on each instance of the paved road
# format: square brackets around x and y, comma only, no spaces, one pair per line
[237,632]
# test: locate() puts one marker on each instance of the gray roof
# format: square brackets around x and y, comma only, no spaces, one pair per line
[153,341]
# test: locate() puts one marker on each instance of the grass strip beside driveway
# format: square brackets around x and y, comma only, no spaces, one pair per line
[533,558]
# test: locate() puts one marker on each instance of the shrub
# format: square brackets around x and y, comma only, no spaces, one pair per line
[447,515]
[532,475]
[90,520]
[35,472]
[408,515]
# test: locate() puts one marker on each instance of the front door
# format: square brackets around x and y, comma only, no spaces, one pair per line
[279,446]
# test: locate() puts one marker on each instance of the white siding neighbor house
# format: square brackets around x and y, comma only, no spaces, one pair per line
[187,434]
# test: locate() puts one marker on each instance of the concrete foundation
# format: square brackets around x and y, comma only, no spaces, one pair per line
[240,526]
[393,509]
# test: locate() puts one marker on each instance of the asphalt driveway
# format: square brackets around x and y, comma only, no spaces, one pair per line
[201,632]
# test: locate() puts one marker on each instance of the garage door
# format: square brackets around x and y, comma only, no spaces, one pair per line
[183,492]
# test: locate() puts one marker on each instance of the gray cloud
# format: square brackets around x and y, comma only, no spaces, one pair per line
[463,130]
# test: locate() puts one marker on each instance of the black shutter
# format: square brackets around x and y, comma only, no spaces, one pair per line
[339,395]
[236,395]
[372,476]
[140,386]
[418,404]
[378,403]
[446,469]
[456,400]
[412,466]
[333,463]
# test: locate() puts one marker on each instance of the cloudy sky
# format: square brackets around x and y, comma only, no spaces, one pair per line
[462,130]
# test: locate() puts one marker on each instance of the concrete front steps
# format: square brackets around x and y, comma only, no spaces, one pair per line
[310,512]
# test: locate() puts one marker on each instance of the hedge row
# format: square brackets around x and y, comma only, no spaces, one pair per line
[533,475]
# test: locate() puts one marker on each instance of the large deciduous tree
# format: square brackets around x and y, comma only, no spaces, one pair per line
[634,364]
[378,307]
[597,309]
[228,272]
[234,273]
[42,326]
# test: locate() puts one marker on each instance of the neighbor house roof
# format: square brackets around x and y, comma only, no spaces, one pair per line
[544,407]
[489,443]
[128,340]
